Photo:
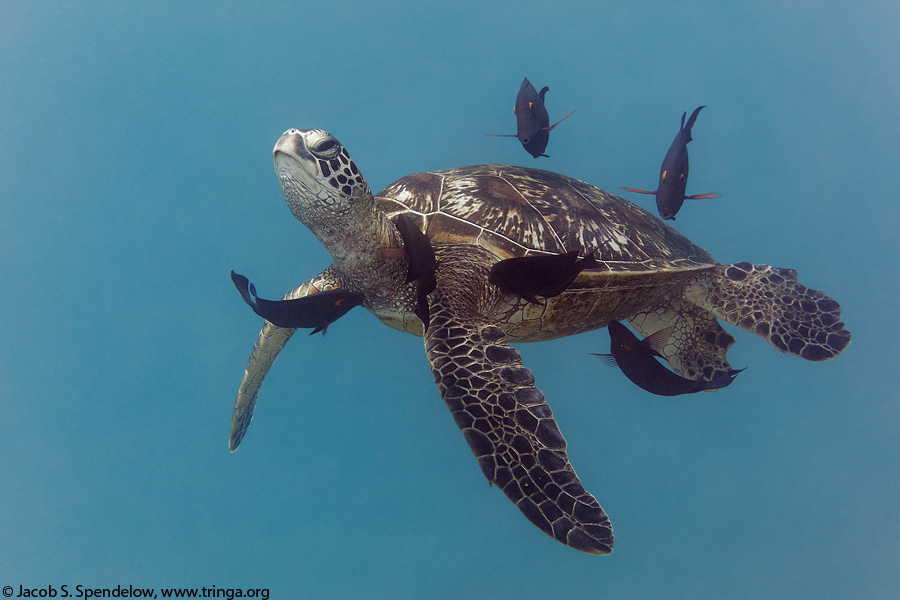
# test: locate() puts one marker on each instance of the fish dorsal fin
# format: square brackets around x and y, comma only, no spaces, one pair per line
[690,123]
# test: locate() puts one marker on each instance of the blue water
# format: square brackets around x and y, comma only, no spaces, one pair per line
[136,172]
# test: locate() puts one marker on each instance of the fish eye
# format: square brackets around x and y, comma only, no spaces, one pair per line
[526,140]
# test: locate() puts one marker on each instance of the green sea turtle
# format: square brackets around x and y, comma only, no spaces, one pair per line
[646,273]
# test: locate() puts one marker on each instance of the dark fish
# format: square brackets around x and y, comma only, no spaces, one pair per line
[674,172]
[422,265]
[532,121]
[546,276]
[637,359]
[318,310]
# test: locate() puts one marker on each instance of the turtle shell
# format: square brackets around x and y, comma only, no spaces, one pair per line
[516,211]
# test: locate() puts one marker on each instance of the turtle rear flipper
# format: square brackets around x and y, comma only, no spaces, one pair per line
[504,418]
[769,302]
[697,346]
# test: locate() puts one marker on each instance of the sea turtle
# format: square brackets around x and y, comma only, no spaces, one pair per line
[646,273]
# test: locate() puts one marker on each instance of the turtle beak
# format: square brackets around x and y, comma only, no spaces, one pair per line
[293,160]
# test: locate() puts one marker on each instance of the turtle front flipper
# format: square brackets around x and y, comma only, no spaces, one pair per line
[269,342]
[503,417]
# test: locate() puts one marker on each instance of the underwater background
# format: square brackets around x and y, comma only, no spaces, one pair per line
[136,172]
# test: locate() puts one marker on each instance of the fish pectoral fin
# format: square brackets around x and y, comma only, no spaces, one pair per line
[558,122]
[708,196]
[657,341]
[505,420]
[608,359]
[653,193]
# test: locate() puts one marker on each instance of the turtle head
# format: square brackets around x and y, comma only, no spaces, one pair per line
[319,181]
[327,193]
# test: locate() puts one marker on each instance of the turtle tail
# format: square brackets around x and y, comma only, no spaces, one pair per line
[769,302]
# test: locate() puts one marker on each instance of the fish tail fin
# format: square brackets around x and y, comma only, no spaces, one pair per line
[707,196]
[690,123]
[723,380]
[246,289]
[769,302]
[653,193]
[560,121]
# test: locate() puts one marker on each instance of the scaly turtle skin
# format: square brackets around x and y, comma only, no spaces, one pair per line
[648,274]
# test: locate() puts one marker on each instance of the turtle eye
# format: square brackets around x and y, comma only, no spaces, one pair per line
[327,148]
